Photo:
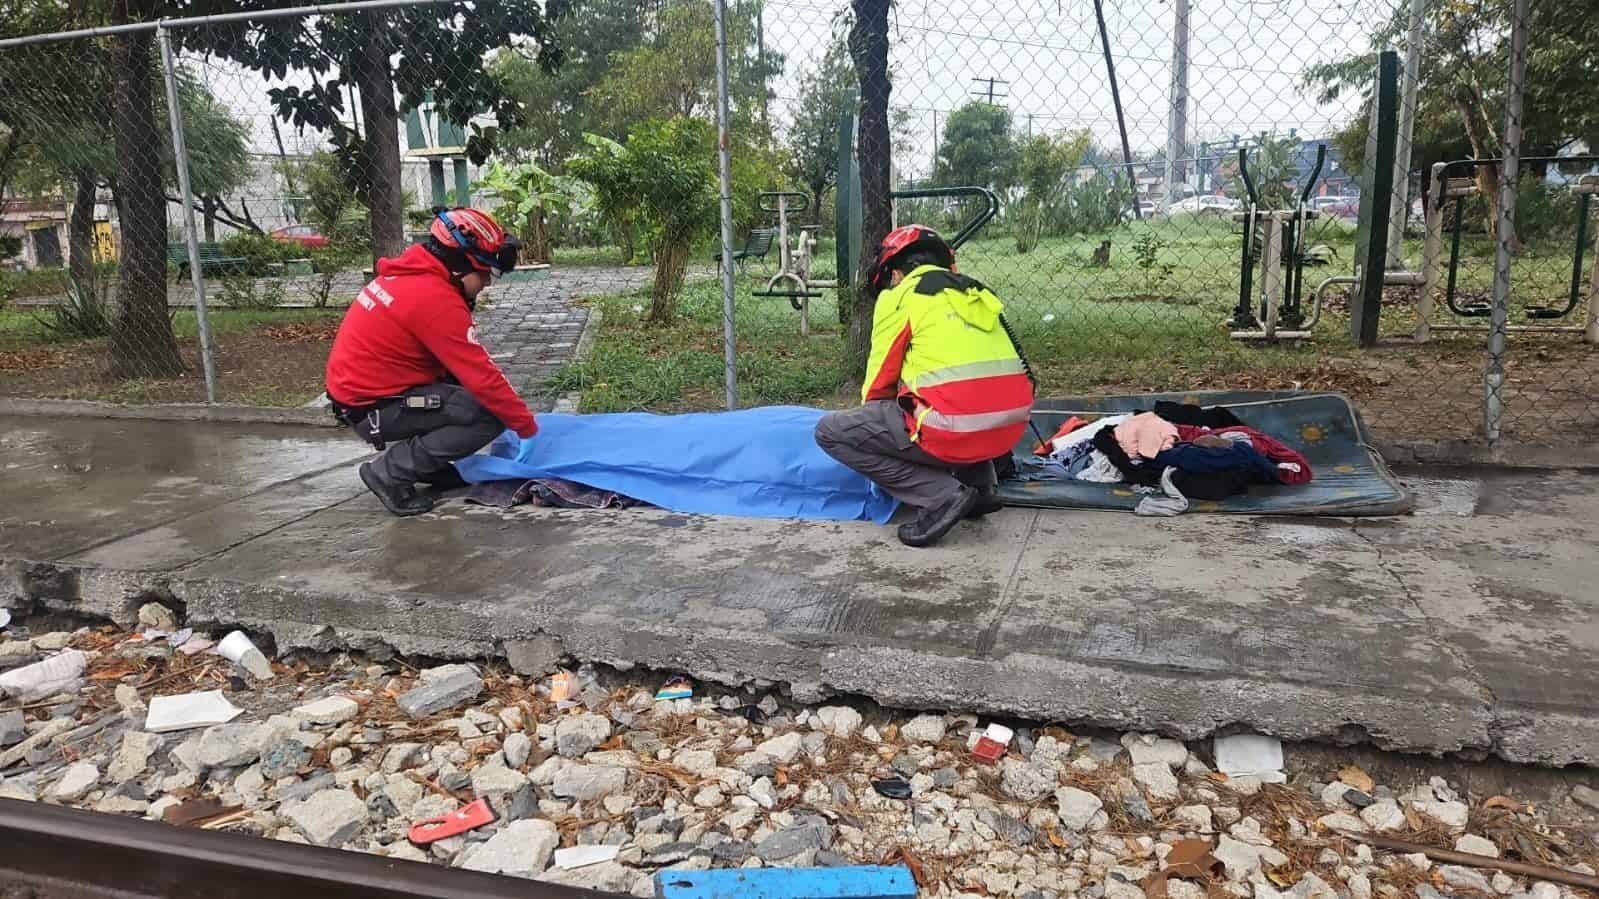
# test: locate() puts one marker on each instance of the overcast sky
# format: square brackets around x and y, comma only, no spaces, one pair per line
[1245,62]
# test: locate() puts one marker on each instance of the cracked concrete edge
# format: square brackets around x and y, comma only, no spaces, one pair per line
[1183,703]
[198,412]
[570,403]
[1505,454]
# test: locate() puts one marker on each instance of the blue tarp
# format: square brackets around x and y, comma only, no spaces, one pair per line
[1351,478]
[758,463]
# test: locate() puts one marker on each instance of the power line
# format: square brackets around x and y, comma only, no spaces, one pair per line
[989,93]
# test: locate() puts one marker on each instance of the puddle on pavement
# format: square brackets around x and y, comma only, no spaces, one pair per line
[1444,496]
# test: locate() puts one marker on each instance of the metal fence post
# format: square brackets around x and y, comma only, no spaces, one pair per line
[180,158]
[724,174]
[1372,253]
[1509,170]
[1399,211]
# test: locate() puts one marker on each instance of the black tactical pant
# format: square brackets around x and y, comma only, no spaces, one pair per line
[442,423]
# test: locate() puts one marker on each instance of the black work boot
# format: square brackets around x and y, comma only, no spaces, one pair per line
[401,499]
[933,523]
[988,502]
[448,479]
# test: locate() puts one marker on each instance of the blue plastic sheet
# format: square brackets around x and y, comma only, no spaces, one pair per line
[758,463]
[1350,477]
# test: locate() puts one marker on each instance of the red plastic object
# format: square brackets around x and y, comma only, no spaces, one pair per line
[463,819]
[989,750]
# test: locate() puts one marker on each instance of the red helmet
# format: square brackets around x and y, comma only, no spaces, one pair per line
[903,240]
[481,240]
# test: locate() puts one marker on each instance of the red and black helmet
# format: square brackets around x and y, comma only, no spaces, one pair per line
[485,246]
[910,238]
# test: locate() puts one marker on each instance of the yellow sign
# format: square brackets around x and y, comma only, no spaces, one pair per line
[105,247]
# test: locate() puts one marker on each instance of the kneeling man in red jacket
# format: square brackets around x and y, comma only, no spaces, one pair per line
[407,372]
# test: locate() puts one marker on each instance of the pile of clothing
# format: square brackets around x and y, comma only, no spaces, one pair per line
[1175,453]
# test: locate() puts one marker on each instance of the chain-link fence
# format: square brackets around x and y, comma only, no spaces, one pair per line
[1180,194]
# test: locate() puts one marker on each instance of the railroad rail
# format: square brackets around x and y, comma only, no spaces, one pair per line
[48,852]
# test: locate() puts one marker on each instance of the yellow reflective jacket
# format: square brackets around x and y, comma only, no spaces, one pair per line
[939,350]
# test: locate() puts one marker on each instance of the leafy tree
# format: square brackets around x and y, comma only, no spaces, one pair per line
[1273,169]
[978,148]
[826,94]
[1045,168]
[665,174]
[674,74]
[563,99]
[420,52]
[1460,104]
[219,153]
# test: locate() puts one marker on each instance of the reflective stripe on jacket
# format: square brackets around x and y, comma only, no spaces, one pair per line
[939,350]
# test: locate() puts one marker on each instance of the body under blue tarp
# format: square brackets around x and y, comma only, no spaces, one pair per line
[758,463]
[1351,478]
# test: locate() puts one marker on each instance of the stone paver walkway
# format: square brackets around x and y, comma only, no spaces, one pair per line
[532,327]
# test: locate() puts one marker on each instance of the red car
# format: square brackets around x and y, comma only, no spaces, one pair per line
[308,236]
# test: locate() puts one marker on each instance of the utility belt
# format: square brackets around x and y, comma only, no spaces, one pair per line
[367,420]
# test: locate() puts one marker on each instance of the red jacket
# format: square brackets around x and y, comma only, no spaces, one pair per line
[410,327]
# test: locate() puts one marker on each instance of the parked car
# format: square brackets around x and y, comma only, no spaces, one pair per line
[1344,207]
[307,236]
[1209,204]
[1146,211]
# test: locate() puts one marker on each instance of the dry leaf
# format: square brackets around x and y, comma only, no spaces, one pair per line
[1357,778]
[1504,802]
[1191,860]
[1281,880]
[1056,839]
[891,733]
[899,854]
[780,778]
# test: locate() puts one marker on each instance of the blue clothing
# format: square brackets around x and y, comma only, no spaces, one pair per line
[1241,456]
[758,463]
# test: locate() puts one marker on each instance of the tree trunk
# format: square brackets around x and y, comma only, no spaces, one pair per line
[208,212]
[538,246]
[868,46]
[671,261]
[142,341]
[1470,106]
[80,232]
[380,147]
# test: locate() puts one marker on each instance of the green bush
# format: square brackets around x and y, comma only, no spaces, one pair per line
[1544,210]
[260,251]
[248,292]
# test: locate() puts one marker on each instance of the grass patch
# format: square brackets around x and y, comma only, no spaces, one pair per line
[635,366]
[1121,327]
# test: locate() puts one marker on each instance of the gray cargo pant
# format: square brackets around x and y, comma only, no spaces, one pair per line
[423,442]
[872,440]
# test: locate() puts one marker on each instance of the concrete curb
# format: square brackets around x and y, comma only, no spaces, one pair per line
[221,414]
[1182,703]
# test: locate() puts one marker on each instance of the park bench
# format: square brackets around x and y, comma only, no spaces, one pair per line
[756,246]
[212,259]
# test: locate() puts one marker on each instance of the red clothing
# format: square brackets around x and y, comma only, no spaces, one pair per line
[410,327]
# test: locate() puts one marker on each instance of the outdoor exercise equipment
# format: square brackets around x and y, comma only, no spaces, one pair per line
[1453,185]
[793,280]
[1277,238]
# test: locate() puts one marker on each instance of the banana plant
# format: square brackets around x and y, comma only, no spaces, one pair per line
[529,196]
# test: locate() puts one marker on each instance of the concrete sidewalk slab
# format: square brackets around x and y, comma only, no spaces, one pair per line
[1463,628]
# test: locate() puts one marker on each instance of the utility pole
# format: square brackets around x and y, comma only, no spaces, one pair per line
[990,93]
[1177,124]
[1407,134]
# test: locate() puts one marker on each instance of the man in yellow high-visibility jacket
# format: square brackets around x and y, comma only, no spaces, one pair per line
[946,390]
